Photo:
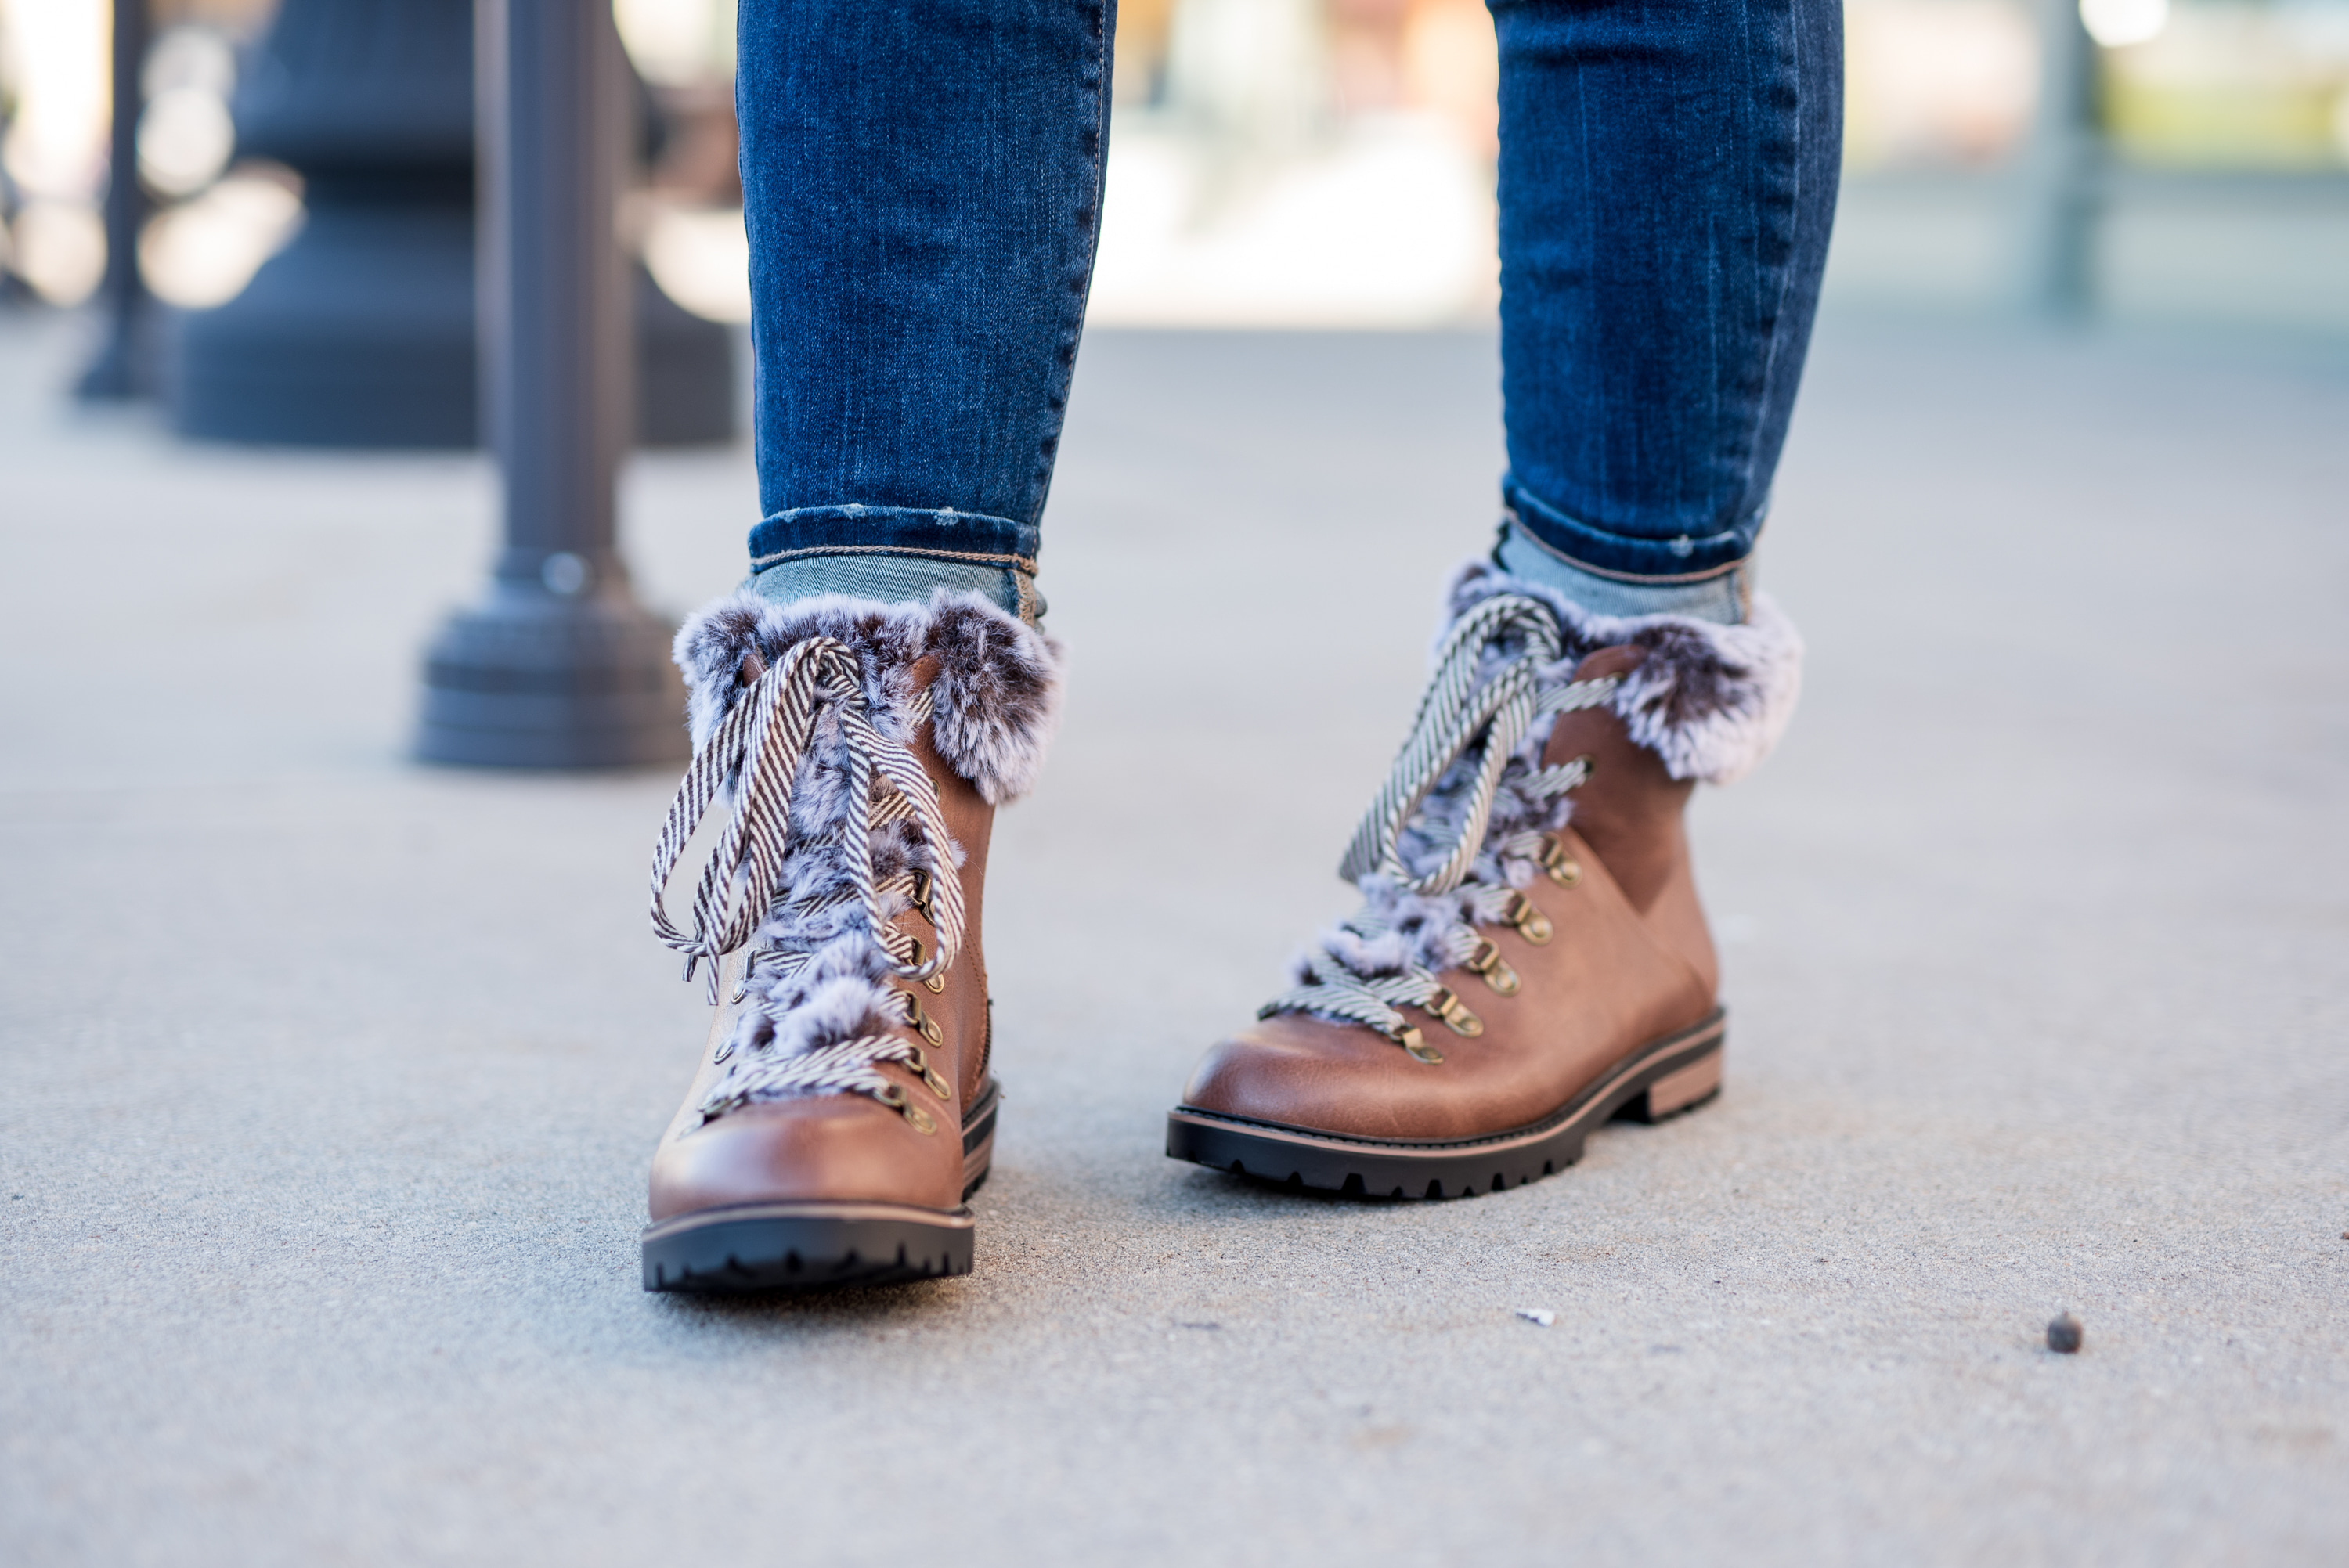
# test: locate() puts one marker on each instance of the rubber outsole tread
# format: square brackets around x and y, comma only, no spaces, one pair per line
[769,1251]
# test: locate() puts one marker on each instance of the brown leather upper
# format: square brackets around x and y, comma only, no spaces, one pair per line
[1631,960]
[1631,814]
[850,1147]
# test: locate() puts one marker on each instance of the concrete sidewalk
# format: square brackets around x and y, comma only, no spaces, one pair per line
[330,1081]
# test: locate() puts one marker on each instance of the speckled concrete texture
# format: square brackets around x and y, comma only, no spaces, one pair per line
[330,1081]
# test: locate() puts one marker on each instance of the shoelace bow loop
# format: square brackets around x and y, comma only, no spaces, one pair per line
[760,744]
[1468,707]
[1459,711]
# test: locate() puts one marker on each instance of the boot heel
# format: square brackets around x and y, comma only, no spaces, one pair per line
[1683,1089]
[978,1138]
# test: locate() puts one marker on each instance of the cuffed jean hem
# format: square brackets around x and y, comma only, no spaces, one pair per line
[894,578]
[1726,597]
[895,553]
[1654,563]
[949,535]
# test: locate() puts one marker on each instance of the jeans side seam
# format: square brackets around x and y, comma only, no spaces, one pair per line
[1080,287]
[1789,268]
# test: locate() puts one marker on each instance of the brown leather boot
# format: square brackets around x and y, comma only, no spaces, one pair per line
[843,1109]
[1530,959]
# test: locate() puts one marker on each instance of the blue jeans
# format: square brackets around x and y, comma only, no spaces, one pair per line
[922,185]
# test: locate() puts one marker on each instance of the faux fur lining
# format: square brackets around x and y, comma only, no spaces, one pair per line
[993,706]
[1710,699]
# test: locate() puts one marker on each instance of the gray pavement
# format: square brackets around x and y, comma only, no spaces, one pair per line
[330,1081]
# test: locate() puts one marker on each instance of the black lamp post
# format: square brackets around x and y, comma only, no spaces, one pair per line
[361,332]
[122,367]
[557,666]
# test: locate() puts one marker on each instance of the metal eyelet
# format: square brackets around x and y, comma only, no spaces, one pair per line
[896,1100]
[935,984]
[1455,1013]
[1531,923]
[923,891]
[1487,962]
[932,1079]
[1562,867]
[922,1020]
[1414,1045]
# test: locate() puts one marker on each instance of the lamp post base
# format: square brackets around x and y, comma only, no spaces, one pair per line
[123,368]
[538,680]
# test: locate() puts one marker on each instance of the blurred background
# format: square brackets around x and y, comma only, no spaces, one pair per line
[327,1080]
[1330,162]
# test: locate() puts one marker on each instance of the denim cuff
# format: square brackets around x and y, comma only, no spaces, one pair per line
[972,538]
[894,553]
[1646,561]
[1725,597]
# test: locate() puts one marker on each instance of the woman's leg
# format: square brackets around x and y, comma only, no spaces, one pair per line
[1668,179]
[922,186]
[1530,958]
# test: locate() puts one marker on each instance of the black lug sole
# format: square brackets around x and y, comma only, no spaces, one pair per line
[806,1247]
[1660,1079]
[822,1243]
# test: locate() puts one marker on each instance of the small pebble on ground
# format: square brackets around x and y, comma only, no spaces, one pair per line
[2063,1334]
[1540,1315]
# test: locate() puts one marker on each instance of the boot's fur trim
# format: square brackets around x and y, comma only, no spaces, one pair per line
[993,706]
[1710,699]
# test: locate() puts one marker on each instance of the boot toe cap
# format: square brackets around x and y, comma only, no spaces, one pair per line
[1304,1072]
[837,1147]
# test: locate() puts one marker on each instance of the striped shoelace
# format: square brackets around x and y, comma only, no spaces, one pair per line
[1421,851]
[759,745]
